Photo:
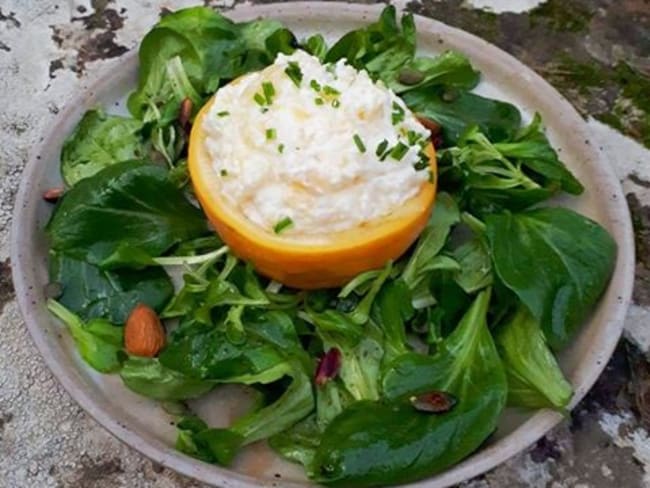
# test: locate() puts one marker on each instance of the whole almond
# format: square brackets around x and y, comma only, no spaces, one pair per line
[53,195]
[144,334]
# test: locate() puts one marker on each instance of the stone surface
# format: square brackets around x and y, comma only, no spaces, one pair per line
[596,52]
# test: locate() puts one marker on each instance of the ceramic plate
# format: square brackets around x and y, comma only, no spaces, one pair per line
[146,427]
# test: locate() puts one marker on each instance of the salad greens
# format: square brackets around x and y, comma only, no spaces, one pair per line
[99,141]
[567,253]
[137,198]
[350,381]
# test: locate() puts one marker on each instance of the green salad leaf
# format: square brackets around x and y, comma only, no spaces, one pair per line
[91,292]
[130,204]
[98,141]
[386,50]
[381,48]
[221,445]
[534,378]
[556,261]
[449,69]
[316,46]
[98,341]
[532,149]
[475,265]
[191,52]
[149,378]
[457,110]
[299,443]
[384,443]
[431,241]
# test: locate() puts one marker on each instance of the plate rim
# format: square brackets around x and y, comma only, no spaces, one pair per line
[518,440]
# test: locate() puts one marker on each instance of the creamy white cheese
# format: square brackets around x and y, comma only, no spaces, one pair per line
[297,144]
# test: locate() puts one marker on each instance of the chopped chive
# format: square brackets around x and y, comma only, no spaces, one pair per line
[359,143]
[431,177]
[269,92]
[336,103]
[398,113]
[421,164]
[399,151]
[413,137]
[259,99]
[329,90]
[315,85]
[294,72]
[281,148]
[223,172]
[283,224]
[381,147]
[223,114]
[319,101]
[270,134]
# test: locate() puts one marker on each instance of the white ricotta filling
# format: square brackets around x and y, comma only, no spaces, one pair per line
[304,148]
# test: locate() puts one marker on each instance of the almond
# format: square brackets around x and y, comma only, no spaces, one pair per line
[144,334]
[53,194]
[184,114]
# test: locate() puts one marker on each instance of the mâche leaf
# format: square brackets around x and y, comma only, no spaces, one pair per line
[91,292]
[374,443]
[556,261]
[456,110]
[98,141]
[149,378]
[534,378]
[127,204]
[98,341]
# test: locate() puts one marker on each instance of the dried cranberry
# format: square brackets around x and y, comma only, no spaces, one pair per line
[328,366]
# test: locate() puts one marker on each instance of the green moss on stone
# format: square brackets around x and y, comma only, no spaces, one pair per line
[561,15]
[629,106]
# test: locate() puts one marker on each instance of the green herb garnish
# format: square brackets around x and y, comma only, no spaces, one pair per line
[282,225]
[413,137]
[331,91]
[399,151]
[336,103]
[280,148]
[223,172]
[270,134]
[359,143]
[315,85]
[223,114]
[421,164]
[381,147]
[269,92]
[319,101]
[259,99]
[398,113]
[294,72]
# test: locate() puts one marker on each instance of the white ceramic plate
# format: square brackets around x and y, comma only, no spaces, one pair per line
[146,427]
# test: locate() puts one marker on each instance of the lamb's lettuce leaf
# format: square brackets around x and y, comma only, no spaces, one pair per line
[535,380]
[91,292]
[98,141]
[130,204]
[556,261]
